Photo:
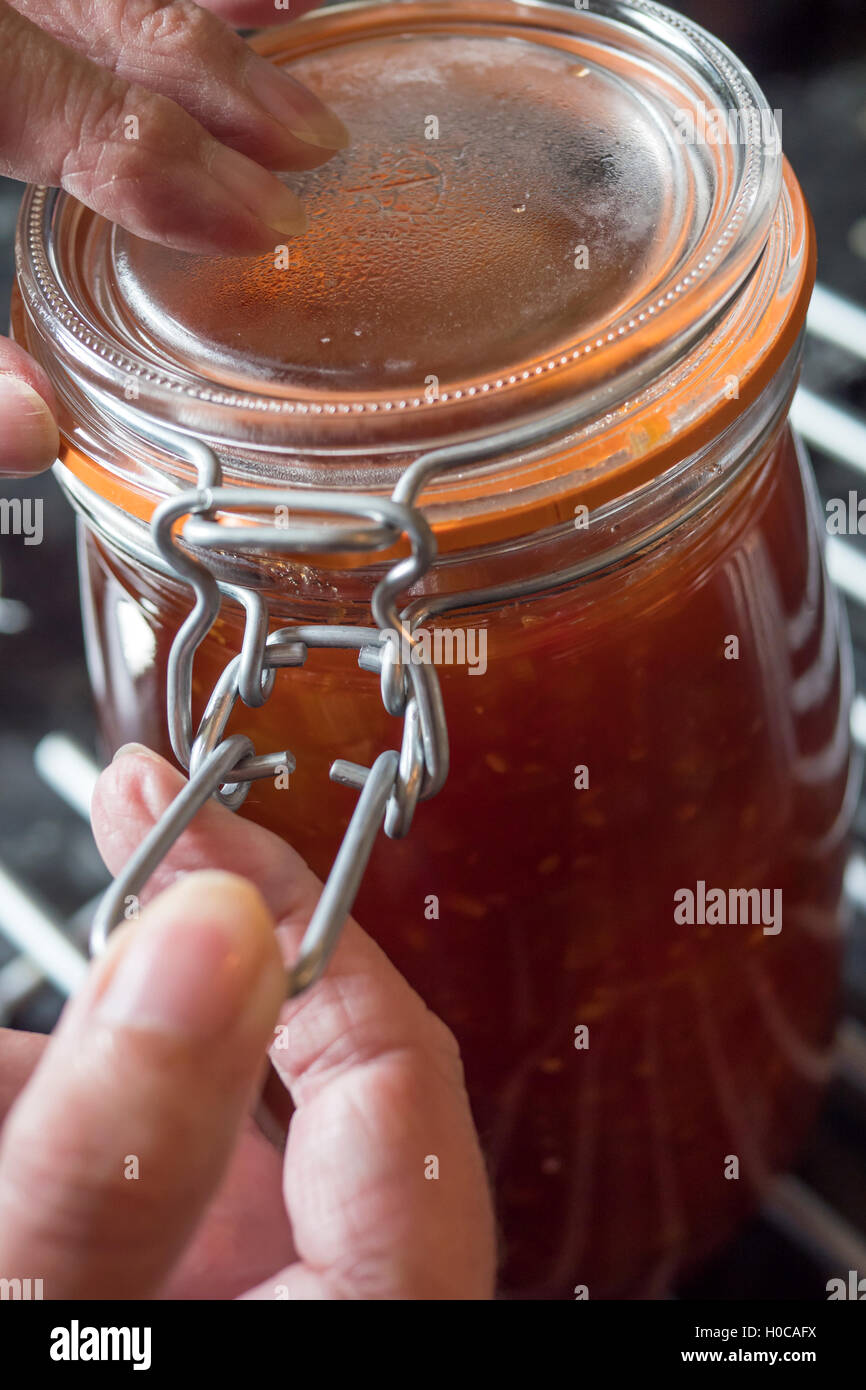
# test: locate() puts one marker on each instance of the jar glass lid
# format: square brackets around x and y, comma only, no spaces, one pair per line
[541,207]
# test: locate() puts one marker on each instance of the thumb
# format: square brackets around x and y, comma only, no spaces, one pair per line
[28,435]
[113,1150]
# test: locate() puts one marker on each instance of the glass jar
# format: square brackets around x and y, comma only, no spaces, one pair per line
[564,242]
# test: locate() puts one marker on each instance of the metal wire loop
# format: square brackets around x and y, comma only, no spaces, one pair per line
[410,777]
[121,898]
[223,767]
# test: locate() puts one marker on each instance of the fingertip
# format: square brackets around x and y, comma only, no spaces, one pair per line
[275,206]
[125,776]
[201,962]
[225,898]
[296,108]
[135,790]
[226,904]
[129,750]
[29,438]
[15,362]
[135,787]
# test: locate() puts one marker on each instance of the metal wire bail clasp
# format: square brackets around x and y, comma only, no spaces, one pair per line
[222,767]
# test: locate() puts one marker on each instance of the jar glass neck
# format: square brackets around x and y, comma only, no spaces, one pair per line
[584,544]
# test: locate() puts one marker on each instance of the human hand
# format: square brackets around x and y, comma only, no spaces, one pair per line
[163,120]
[157,1060]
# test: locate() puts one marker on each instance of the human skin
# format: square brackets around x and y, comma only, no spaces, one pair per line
[158,1058]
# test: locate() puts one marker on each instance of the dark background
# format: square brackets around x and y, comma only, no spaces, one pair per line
[811,60]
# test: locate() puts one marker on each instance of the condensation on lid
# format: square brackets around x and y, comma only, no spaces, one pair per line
[543,197]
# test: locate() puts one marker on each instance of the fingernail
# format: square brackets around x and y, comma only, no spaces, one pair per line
[296,108]
[259,191]
[29,441]
[193,963]
[128,750]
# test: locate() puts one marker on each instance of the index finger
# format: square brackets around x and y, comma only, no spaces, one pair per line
[133,155]
[185,52]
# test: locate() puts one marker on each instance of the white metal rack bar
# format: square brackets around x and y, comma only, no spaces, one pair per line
[38,936]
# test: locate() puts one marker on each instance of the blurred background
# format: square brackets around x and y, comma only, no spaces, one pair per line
[811,62]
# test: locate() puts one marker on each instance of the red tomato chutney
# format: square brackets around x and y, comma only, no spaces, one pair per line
[625,900]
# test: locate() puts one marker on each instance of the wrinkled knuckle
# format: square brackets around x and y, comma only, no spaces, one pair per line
[95,116]
[119,129]
[160,128]
[130,140]
[177,26]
